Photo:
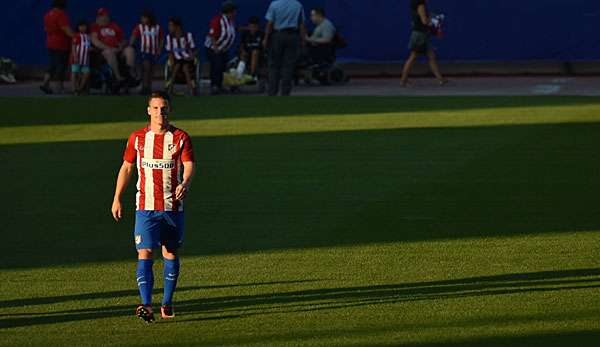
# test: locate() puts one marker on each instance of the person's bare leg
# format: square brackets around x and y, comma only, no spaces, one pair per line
[58,86]
[145,254]
[170,254]
[147,75]
[75,82]
[129,53]
[46,80]
[188,79]
[254,62]
[408,66]
[434,67]
[111,58]
[83,82]
[171,82]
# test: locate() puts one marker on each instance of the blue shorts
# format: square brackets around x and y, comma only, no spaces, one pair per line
[152,58]
[76,68]
[154,229]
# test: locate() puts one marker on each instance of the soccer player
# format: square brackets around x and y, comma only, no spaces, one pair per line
[164,159]
[80,69]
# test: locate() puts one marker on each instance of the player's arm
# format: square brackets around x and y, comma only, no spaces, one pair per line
[268,31]
[96,41]
[189,169]
[132,39]
[161,45]
[423,15]
[123,179]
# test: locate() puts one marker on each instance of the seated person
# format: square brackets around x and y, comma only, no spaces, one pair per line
[107,36]
[182,54]
[320,43]
[251,47]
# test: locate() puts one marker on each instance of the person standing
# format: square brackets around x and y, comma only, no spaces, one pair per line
[420,41]
[80,68]
[220,38]
[58,41]
[284,34]
[151,42]
[164,158]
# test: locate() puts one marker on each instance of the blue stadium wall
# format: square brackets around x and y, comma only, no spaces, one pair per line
[377,30]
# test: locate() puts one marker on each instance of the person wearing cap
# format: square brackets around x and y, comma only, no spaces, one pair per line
[284,34]
[108,37]
[58,42]
[220,38]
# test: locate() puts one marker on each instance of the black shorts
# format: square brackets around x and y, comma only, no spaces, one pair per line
[183,62]
[58,62]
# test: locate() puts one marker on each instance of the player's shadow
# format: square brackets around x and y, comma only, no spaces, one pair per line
[206,307]
[127,293]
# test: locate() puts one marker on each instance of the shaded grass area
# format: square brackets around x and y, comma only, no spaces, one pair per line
[48,111]
[257,193]
[428,235]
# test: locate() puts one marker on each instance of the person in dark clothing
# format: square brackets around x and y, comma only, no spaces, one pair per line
[58,42]
[284,35]
[419,43]
[251,47]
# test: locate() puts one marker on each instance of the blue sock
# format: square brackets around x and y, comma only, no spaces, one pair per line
[171,274]
[145,280]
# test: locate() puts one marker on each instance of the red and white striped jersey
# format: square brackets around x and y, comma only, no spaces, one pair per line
[81,49]
[149,36]
[159,159]
[221,34]
[181,47]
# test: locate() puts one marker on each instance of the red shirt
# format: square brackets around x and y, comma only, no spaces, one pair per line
[110,34]
[56,38]
[159,159]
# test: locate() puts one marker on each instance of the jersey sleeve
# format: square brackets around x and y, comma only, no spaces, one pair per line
[187,151]
[168,43]
[191,41]
[270,16]
[215,28]
[130,151]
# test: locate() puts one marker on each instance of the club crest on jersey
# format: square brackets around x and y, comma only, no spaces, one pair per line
[172,148]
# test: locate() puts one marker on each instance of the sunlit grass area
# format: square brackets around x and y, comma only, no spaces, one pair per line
[313,221]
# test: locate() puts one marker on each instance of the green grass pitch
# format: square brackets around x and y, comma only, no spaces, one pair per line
[446,221]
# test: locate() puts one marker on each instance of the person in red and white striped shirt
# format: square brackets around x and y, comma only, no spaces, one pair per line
[80,67]
[164,159]
[182,54]
[220,38]
[151,41]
